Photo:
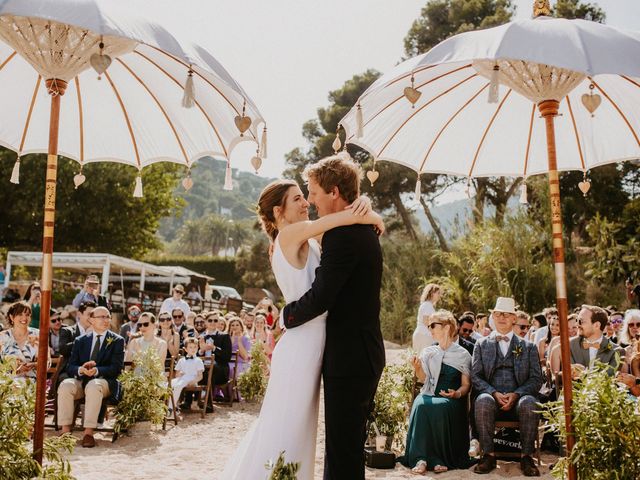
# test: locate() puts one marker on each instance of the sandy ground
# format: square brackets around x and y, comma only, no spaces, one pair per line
[197,449]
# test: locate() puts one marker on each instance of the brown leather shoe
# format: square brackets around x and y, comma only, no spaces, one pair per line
[88,441]
[528,467]
[487,464]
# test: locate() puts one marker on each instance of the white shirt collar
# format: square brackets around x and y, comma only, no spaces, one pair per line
[509,335]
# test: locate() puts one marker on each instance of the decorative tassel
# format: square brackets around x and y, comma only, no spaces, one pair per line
[189,97]
[263,143]
[523,193]
[359,122]
[418,186]
[494,86]
[228,181]
[137,192]
[15,174]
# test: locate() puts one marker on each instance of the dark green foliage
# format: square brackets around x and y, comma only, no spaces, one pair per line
[222,269]
[281,469]
[253,268]
[252,384]
[576,9]
[100,216]
[607,428]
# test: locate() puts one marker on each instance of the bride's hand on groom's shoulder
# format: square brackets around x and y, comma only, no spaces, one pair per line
[361,206]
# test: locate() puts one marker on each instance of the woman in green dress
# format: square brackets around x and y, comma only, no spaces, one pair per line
[438,436]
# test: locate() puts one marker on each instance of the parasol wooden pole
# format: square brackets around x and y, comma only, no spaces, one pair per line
[56,89]
[549,110]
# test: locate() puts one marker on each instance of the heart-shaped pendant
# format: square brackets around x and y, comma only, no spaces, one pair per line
[187,183]
[256,163]
[412,94]
[79,179]
[584,187]
[100,63]
[242,123]
[372,175]
[591,102]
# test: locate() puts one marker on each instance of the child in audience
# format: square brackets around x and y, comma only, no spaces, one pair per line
[189,369]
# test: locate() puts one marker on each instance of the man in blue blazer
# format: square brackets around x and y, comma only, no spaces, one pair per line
[96,361]
[506,376]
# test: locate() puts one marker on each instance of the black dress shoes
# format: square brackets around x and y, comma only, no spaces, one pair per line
[486,465]
[528,467]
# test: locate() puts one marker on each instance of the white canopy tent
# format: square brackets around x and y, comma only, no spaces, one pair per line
[105,264]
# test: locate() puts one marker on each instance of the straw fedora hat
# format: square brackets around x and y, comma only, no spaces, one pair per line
[505,304]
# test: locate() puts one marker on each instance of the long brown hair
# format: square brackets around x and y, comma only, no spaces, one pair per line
[273,195]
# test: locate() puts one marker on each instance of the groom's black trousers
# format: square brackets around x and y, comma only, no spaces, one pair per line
[348,402]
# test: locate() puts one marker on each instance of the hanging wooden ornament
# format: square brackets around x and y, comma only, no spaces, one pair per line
[584,185]
[263,144]
[418,192]
[359,122]
[523,193]
[228,180]
[187,182]
[242,121]
[256,161]
[591,101]
[337,144]
[15,173]
[189,96]
[78,179]
[373,175]
[494,85]
[411,93]
[137,191]
[99,61]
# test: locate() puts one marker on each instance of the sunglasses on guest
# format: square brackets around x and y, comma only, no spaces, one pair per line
[135,313]
[433,325]
[634,325]
[523,327]
[54,320]
[212,320]
[144,324]
[466,330]
[164,319]
[177,316]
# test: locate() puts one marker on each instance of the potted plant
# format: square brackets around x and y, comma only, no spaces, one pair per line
[606,426]
[144,394]
[391,404]
[281,469]
[252,384]
[17,407]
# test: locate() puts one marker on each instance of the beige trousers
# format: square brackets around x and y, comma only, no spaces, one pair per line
[71,389]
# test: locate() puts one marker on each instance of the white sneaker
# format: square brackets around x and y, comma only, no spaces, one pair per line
[474,448]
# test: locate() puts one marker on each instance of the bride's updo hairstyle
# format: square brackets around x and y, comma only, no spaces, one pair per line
[274,195]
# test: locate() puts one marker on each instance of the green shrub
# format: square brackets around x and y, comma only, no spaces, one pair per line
[222,269]
[144,392]
[280,470]
[17,407]
[606,425]
[252,384]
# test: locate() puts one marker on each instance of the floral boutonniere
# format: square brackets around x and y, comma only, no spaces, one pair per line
[517,351]
[109,340]
[608,348]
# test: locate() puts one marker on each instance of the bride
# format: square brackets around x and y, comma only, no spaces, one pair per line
[288,419]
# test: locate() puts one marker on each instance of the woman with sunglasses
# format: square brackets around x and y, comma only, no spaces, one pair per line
[20,341]
[146,338]
[167,333]
[438,435]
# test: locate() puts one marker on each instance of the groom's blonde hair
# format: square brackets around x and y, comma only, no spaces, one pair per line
[336,171]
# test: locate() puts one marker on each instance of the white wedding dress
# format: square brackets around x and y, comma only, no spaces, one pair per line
[289,416]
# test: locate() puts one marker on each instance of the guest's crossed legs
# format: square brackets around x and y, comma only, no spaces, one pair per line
[348,402]
[486,411]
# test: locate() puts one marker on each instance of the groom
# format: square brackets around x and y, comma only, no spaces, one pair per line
[347,285]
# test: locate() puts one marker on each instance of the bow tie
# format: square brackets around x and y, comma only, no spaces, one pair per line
[189,358]
[502,338]
[586,344]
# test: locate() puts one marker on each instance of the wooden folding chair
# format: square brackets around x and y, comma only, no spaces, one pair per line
[51,406]
[230,388]
[516,425]
[169,370]
[206,387]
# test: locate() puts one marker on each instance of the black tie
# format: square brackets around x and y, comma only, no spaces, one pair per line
[96,349]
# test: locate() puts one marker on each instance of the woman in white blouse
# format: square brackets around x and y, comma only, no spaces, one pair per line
[421,336]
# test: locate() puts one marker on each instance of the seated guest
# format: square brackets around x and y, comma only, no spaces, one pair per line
[464,327]
[260,333]
[554,346]
[553,331]
[538,321]
[179,324]
[591,345]
[199,325]
[68,335]
[240,344]
[55,327]
[131,326]
[96,361]
[616,319]
[550,314]
[248,320]
[630,332]
[217,343]
[521,327]
[506,376]
[221,326]
[188,370]
[168,334]
[438,435]
[146,339]
[20,341]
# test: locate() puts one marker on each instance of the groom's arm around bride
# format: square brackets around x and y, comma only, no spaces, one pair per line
[347,286]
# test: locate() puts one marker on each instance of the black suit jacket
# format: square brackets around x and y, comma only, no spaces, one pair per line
[347,285]
[110,360]
[67,337]
[466,344]
[222,352]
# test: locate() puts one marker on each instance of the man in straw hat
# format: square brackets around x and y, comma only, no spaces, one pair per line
[506,376]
